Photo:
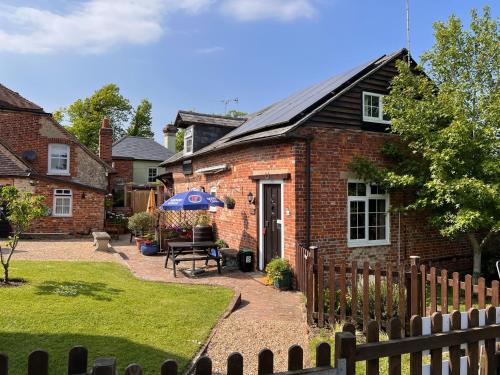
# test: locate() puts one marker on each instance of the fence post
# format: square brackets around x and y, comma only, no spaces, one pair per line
[4,364]
[345,348]
[417,288]
[314,252]
[77,360]
[104,366]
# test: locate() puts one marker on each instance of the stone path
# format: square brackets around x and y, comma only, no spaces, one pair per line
[266,318]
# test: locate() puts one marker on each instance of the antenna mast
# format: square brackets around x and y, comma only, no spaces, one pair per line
[227,101]
[408,29]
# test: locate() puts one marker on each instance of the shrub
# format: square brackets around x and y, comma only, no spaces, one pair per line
[276,268]
[221,244]
[141,223]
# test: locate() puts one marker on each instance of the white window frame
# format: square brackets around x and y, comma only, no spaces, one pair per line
[380,118]
[156,174]
[365,241]
[60,193]
[58,172]
[188,134]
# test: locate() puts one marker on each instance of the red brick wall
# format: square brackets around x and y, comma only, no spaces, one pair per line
[88,211]
[238,227]
[124,172]
[332,150]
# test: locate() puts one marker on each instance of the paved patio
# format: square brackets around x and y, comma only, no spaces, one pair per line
[266,318]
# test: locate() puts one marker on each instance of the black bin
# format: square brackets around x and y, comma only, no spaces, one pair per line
[245,258]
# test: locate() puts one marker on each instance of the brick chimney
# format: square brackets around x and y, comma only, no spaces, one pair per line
[169,132]
[105,141]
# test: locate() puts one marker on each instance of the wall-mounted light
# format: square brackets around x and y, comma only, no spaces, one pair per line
[84,195]
[250,198]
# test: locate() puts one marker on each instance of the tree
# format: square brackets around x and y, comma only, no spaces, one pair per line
[447,112]
[85,115]
[179,140]
[141,123]
[235,113]
[22,208]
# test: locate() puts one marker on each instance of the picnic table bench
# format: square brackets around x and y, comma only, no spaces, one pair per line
[200,250]
[101,240]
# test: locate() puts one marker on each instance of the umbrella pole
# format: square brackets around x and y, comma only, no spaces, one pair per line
[192,272]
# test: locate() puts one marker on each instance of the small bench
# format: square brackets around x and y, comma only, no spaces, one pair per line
[101,240]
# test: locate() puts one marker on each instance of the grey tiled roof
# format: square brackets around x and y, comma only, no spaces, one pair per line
[140,148]
[12,100]
[10,164]
[188,118]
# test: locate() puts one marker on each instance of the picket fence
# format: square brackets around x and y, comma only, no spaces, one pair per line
[333,288]
[38,364]
[455,344]
[450,334]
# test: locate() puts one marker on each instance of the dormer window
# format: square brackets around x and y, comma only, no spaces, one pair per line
[373,108]
[188,141]
[58,159]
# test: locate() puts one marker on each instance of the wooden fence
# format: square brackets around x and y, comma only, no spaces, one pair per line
[447,334]
[340,291]
[38,364]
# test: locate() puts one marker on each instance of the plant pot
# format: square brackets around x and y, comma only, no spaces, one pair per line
[284,282]
[149,249]
[139,241]
[230,206]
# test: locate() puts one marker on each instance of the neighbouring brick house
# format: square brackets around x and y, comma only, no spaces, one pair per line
[38,155]
[135,162]
[287,169]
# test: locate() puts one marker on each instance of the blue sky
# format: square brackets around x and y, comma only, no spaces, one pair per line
[191,54]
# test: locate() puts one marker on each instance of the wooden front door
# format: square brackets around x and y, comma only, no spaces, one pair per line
[272,222]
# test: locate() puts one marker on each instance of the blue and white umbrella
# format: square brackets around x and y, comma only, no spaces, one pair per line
[191,201]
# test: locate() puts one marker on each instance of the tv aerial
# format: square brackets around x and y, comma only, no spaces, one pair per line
[227,102]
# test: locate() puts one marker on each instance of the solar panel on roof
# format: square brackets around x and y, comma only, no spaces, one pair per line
[286,109]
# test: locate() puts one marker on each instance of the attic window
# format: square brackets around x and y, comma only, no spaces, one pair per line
[373,108]
[188,141]
[58,159]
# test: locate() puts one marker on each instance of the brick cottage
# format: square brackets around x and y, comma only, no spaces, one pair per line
[286,167]
[37,154]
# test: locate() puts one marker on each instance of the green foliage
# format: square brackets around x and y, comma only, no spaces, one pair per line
[235,113]
[22,209]
[97,305]
[179,140]
[447,114]
[141,123]
[202,219]
[229,201]
[276,268]
[85,115]
[221,244]
[141,222]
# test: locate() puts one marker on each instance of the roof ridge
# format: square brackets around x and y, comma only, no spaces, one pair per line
[211,115]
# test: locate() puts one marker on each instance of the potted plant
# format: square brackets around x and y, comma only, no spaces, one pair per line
[230,202]
[138,224]
[149,246]
[279,272]
[221,244]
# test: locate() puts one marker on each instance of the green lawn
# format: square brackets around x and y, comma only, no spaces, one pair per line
[105,308]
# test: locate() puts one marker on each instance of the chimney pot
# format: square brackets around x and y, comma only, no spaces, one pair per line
[105,122]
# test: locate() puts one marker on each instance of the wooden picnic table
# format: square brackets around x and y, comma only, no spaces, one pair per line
[200,250]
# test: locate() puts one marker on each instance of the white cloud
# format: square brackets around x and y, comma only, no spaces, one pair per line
[91,26]
[283,10]
[209,50]
[94,26]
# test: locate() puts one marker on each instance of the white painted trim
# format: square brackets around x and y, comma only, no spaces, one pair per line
[189,132]
[366,242]
[261,218]
[58,172]
[156,174]
[62,196]
[379,119]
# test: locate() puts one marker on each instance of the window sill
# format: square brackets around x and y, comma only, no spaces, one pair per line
[376,120]
[58,174]
[368,244]
[62,215]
